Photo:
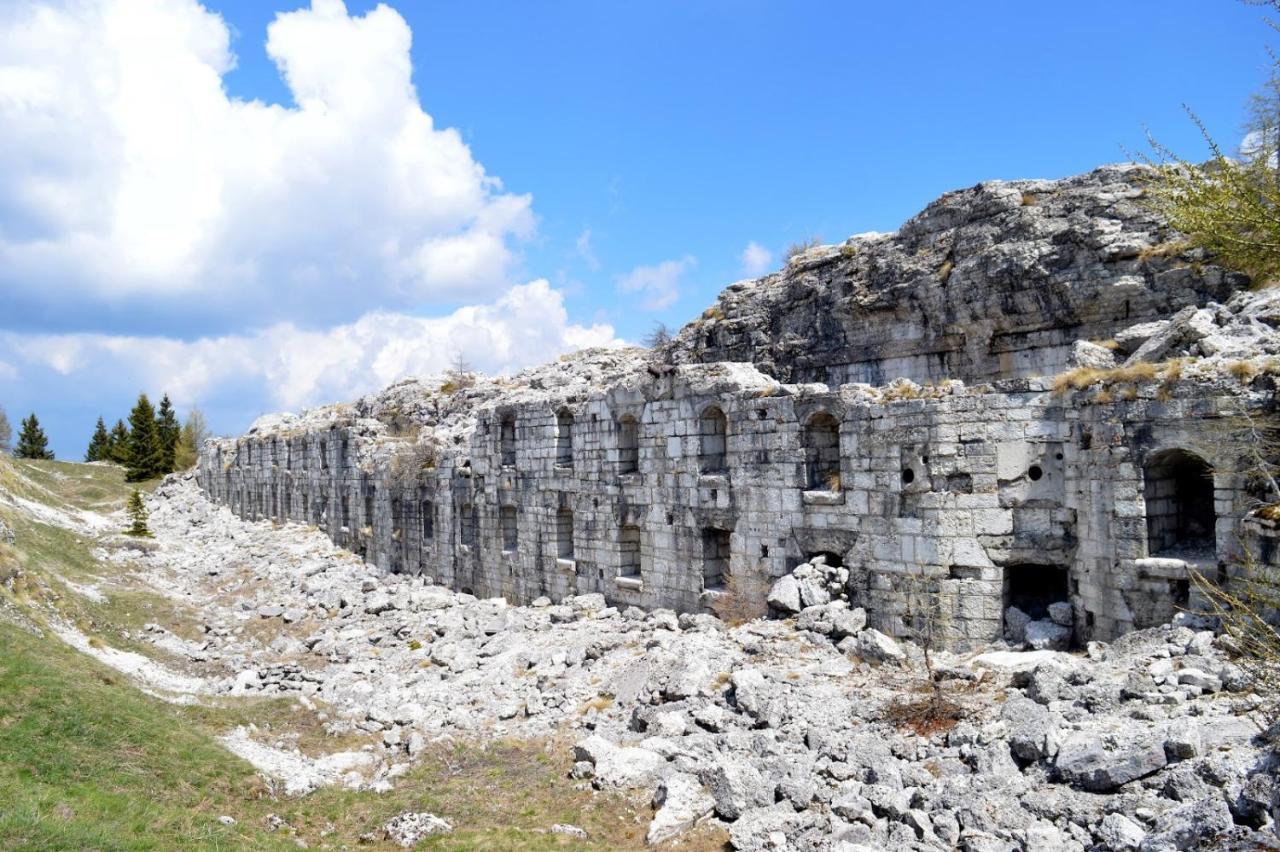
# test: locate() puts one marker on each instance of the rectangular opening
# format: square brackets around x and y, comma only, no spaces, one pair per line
[629,552]
[715,558]
[564,534]
[428,520]
[467,525]
[510,531]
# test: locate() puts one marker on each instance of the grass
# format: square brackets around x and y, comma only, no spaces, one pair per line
[90,762]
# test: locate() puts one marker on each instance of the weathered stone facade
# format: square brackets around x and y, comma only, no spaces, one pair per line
[665,480]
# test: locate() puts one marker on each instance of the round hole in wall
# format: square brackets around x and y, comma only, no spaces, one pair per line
[1058,456]
[908,476]
[1035,473]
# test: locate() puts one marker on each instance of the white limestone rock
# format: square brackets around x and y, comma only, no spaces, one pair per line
[876,647]
[681,803]
[1046,635]
[408,829]
[784,596]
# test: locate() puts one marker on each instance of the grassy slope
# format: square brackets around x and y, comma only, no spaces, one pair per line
[89,762]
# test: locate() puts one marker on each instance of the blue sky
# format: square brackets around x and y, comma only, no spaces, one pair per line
[248,257]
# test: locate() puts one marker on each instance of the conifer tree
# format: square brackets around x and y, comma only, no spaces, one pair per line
[145,458]
[167,432]
[99,444]
[118,449]
[32,442]
[6,432]
[138,515]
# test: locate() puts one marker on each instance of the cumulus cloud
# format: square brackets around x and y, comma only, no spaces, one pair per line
[293,367]
[756,259]
[135,191]
[659,286]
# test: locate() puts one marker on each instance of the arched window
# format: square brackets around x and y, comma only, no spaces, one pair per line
[713,430]
[564,437]
[507,440]
[1178,487]
[821,437]
[628,445]
[564,534]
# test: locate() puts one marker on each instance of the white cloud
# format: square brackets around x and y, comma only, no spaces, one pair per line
[8,372]
[756,259]
[294,367]
[128,176]
[659,285]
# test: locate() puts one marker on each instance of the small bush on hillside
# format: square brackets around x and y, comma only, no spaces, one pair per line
[743,599]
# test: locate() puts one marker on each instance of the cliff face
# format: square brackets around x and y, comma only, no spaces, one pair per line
[996,281]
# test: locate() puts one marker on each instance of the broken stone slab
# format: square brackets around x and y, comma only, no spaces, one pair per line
[1129,339]
[1015,625]
[1085,762]
[1091,355]
[1062,613]
[1032,733]
[1189,325]
[1118,832]
[1182,740]
[736,786]
[681,802]
[620,767]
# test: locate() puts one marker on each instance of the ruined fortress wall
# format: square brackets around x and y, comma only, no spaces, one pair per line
[977,498]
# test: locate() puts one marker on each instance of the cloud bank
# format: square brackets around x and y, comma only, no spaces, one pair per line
[134,188]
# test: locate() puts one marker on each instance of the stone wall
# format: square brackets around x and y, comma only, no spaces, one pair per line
[978,496]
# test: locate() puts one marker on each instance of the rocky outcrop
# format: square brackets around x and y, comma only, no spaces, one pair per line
[996,281]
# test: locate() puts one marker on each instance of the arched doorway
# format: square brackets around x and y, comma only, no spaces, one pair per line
[1178,487]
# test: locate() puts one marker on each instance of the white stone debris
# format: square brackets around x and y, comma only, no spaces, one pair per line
[768,728]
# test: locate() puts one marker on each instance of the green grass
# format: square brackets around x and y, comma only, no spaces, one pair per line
[87,761]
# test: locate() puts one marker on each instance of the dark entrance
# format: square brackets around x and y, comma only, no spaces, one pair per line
[1178,488]
[1031,588]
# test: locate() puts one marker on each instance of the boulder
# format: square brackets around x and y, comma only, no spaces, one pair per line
[1119,833]
[681,802]
[1045,635]
[1032,733]
[879,648]
[1182,740]
[1062,613]
[785,595]
[408,829]
[1085,761]
[1190,826]
[1015,625]
[736,786]
[1086,354]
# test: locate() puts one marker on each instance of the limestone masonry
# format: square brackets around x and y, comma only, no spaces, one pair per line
[1033,392]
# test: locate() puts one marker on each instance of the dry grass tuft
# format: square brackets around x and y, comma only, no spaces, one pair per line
[944,271]
[743,599]
[1245,371]
[1029,199]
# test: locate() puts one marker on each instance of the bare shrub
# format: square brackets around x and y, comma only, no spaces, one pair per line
[408,464]
[931,707]
[743,599]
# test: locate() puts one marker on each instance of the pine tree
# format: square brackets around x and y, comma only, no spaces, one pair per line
[138,514]
[6,432]
[99,444]
[32,442]
[194,433]
[145,458]
[118,449]
[167,431]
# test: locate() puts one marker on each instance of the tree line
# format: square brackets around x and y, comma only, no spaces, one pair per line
[151,444]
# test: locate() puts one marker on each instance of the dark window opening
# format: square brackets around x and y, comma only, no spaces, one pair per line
[715,558]
[368,510]
[1034,473]
[428,520]
[510,531]
[324,455]
[564,534]
[1178,488]
[628,445]
[467,525]
[821,439]
[1031,588]
[908,476]
[507,440]
[629,552]
[833,560]
[564,437]
[713,431]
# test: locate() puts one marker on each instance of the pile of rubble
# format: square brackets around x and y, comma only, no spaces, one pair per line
[782,730]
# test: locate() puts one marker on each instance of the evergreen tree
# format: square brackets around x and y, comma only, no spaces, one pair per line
[145,458]
[118,449]
[32,442]
[194,433]
[6,432]
[167,432]
[138,514]
[99,444]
